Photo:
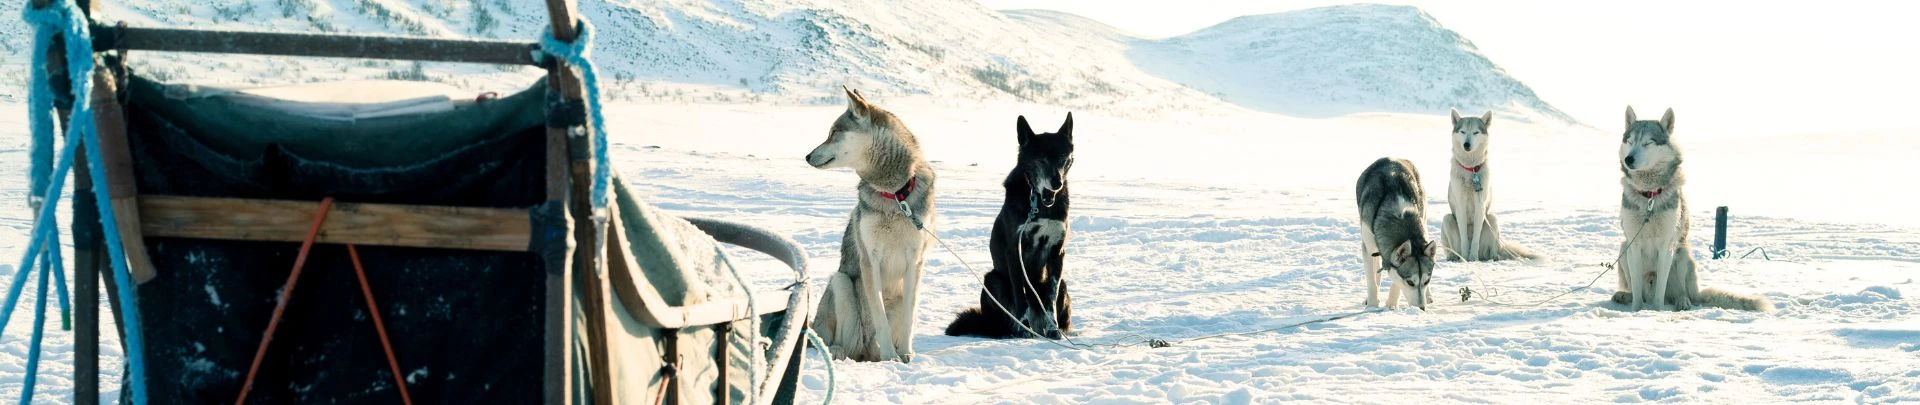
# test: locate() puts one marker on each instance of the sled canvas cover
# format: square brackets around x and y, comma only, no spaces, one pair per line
[467,325]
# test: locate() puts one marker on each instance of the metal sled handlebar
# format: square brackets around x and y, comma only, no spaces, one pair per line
[107,38]
[756,238]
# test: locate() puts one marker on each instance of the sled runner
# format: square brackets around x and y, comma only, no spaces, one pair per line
[430,248]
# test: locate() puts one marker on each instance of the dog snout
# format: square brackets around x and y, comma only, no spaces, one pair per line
[1047,196]
[1629,161]
[1468,146]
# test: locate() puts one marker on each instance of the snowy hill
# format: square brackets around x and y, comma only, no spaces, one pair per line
[1338,60]
[1310,63]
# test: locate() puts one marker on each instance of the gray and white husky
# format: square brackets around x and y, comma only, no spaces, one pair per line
[1656,269]
[1393,215]
[1471,232]
[869,308]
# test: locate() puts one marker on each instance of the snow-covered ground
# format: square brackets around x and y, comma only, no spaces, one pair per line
[1191,227]
[1204,219]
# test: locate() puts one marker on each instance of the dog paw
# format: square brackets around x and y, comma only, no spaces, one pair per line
[1371,303]
[906,358]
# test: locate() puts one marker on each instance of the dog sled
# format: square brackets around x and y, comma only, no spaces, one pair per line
[290,245]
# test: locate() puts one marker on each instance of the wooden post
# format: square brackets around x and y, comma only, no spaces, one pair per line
[559,304]
[720,332]
[1720,232]
[87,258]
[672,374]
[588,230]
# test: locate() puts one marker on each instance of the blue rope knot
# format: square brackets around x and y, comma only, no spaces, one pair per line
[61,17]
[579,54]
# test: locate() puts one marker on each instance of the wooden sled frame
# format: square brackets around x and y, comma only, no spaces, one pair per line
[601,273]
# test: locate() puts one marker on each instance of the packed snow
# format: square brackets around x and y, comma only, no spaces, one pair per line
[1187,229]
[1207,214]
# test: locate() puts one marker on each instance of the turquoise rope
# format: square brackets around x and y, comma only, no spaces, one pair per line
[39,331]
[579,53]
[43,230]
[63,18]
[827,357]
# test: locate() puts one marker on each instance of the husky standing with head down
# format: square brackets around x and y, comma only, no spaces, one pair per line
[867,313]
[1029,244]
[1656,265]
[1393,216]
[1471,232]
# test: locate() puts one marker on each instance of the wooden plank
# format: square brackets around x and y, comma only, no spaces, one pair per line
[424,226]
[313,45]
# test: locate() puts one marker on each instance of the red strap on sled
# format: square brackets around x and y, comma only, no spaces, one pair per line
[286,294]
[901,195]
[393,362]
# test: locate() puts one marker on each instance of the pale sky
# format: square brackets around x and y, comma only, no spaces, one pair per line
[1728,69]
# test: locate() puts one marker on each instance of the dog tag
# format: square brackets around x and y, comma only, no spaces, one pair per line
[1476,182]
[906,209]
[1033,207]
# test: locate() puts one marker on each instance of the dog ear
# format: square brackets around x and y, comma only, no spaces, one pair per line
[1456,117]
[1630,117]
[857,104]
[1666,121]
[1066,128]
[1404,252]
[1432,249]
[1486,121]
[1024,131]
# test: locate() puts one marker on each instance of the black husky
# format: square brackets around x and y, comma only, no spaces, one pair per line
[1029,242]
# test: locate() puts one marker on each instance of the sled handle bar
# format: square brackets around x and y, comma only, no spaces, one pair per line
[756,238]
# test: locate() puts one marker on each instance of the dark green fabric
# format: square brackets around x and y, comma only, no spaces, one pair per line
[232,126]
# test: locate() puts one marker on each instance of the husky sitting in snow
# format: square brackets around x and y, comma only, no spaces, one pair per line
[1028,244]
[1656,269]
[868,310]
[1471,232]
[1393,216]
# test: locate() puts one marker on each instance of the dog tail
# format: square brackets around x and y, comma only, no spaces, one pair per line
[1731,300]
[974,322]
[1510,251]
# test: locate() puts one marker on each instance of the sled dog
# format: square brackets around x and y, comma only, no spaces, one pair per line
[868,310]
[1393,216]
[1471,232]
[1656,269]
[1029,243]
